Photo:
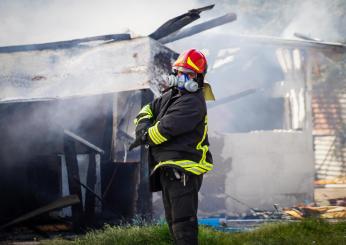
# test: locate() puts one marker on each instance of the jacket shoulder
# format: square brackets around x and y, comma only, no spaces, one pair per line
[165,96]
[196,99]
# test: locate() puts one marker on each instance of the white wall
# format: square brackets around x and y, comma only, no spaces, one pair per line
[259,169]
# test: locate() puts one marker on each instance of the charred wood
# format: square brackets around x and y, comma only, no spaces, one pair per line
[73,173]
[199,28]
[178,22]
[64,44]
[90,186]
[60,203]
[83,141]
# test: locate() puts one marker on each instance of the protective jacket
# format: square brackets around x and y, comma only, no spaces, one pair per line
[178,133]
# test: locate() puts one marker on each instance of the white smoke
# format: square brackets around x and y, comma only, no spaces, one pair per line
[38,21]
[317,19]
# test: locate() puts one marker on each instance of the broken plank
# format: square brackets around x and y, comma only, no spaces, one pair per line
[83,141]
[60,203]
[73,173]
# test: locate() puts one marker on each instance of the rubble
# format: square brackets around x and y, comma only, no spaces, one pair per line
[323,212]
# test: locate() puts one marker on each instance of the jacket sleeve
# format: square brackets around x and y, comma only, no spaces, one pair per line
[148,112]
[144,114]
[180,118]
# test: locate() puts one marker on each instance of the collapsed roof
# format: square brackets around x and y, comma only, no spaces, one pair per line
[112,63]
[90,66]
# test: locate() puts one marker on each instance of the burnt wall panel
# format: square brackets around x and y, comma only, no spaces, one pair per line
[120,192]
[44,174]
[32,136]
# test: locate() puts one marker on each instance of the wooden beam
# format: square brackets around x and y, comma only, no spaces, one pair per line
[199,28]
[89,195]
[60,203]
[83,141]
[73,173]
[64,44]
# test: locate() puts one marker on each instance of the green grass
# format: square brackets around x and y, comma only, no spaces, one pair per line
[310,232]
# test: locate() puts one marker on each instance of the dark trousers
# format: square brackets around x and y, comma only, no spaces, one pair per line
[180,200]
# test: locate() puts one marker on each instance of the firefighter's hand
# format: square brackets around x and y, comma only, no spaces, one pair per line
[141,133]
[141,138]
[134,145]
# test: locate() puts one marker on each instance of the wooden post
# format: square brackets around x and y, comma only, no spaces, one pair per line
[91,181]
[74,187]
[144,202]
[106,158]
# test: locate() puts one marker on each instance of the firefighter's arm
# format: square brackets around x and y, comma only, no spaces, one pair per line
[179,119]
[142,121]
[145,114]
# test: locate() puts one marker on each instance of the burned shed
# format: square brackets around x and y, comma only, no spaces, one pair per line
[66,122]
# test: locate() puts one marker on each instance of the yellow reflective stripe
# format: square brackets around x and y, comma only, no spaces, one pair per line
[155,134]
[204,148]
[190,63]
[188,165]
[152,136]
[193,167]
[136,121]
[204,168]
[195,170]
[160,136]
[181,163]
[208,165]
[146,110]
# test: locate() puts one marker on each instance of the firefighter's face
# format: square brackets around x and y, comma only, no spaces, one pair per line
[183,78]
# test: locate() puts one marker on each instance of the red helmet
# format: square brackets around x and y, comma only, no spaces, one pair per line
[191,61]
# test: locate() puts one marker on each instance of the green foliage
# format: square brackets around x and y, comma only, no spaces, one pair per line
[305,232]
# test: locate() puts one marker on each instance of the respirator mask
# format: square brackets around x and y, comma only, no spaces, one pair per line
[183,82]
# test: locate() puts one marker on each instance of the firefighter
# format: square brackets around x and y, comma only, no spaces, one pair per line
[175,126]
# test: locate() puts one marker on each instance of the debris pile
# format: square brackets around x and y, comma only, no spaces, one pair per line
[335,181]
[324,212]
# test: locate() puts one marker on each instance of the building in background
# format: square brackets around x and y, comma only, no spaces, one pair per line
[263,122]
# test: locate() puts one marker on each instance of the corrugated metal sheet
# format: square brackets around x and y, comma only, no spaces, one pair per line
[329,132]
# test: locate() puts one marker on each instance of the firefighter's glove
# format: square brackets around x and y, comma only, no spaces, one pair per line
[141,134]
[139,140]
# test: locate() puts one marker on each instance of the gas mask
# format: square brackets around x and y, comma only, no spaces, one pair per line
[182,82]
